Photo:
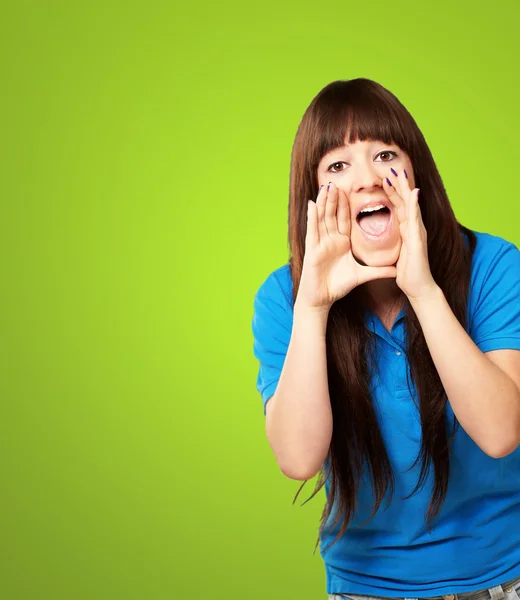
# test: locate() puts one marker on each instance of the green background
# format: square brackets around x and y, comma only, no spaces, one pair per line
[144,185]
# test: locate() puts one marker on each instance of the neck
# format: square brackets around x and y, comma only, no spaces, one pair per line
[383,294]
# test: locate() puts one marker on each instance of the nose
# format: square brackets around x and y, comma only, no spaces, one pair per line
[366,177]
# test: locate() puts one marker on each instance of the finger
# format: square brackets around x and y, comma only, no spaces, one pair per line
[320,198]
[320,207]
[395,199]
[399,180]
[393,187]
[343,213]
[330,210]
[404,182]
[312,237]
[370,273]
[419,211]
[414,211]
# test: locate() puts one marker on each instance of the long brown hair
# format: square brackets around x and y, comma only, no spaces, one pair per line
[344,112]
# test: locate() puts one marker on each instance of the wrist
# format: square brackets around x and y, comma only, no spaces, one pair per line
[426,300]
[301,308]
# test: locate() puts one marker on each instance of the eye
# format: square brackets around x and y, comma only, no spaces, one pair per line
[387,152]
[334,164]
[390,153]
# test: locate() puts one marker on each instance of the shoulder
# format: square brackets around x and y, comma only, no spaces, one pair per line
[494,293]
[489,250]
[495,263]
[277,287]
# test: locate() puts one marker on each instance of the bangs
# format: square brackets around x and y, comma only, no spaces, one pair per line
[349,115]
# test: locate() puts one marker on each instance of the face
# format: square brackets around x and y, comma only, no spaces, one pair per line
[358,169]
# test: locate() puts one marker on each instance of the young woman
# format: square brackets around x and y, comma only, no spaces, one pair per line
[389,351]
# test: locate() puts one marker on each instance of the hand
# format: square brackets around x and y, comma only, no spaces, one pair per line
[330,270]
[414,277]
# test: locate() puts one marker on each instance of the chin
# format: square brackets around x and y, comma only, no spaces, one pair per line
[378,257]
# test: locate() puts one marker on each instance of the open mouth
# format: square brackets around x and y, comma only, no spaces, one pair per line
[374,222]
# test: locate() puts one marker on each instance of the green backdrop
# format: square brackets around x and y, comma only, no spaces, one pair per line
[144,179]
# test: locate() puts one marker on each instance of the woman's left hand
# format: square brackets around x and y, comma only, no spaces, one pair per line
[413,269]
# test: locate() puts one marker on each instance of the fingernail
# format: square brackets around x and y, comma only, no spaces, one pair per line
[393,172]
[418,192]
[329,184]
[388,181]
[405,173]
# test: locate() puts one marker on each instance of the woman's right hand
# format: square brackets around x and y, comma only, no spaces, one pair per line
[330,270]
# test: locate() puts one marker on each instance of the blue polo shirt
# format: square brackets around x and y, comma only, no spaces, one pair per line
[475,540]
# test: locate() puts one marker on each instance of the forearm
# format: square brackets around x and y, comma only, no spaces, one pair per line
[299,418]
[484,399]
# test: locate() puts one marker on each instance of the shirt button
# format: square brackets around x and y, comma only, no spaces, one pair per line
[398,352]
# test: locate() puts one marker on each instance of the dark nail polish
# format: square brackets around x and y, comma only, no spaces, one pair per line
[388,181]
[393,172]
[418,192]
[405,173]
[329,185]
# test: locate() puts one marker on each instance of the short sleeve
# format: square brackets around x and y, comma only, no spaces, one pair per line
[272,327]
[495,300]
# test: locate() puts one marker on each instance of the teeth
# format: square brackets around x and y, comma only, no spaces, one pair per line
[372,208]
